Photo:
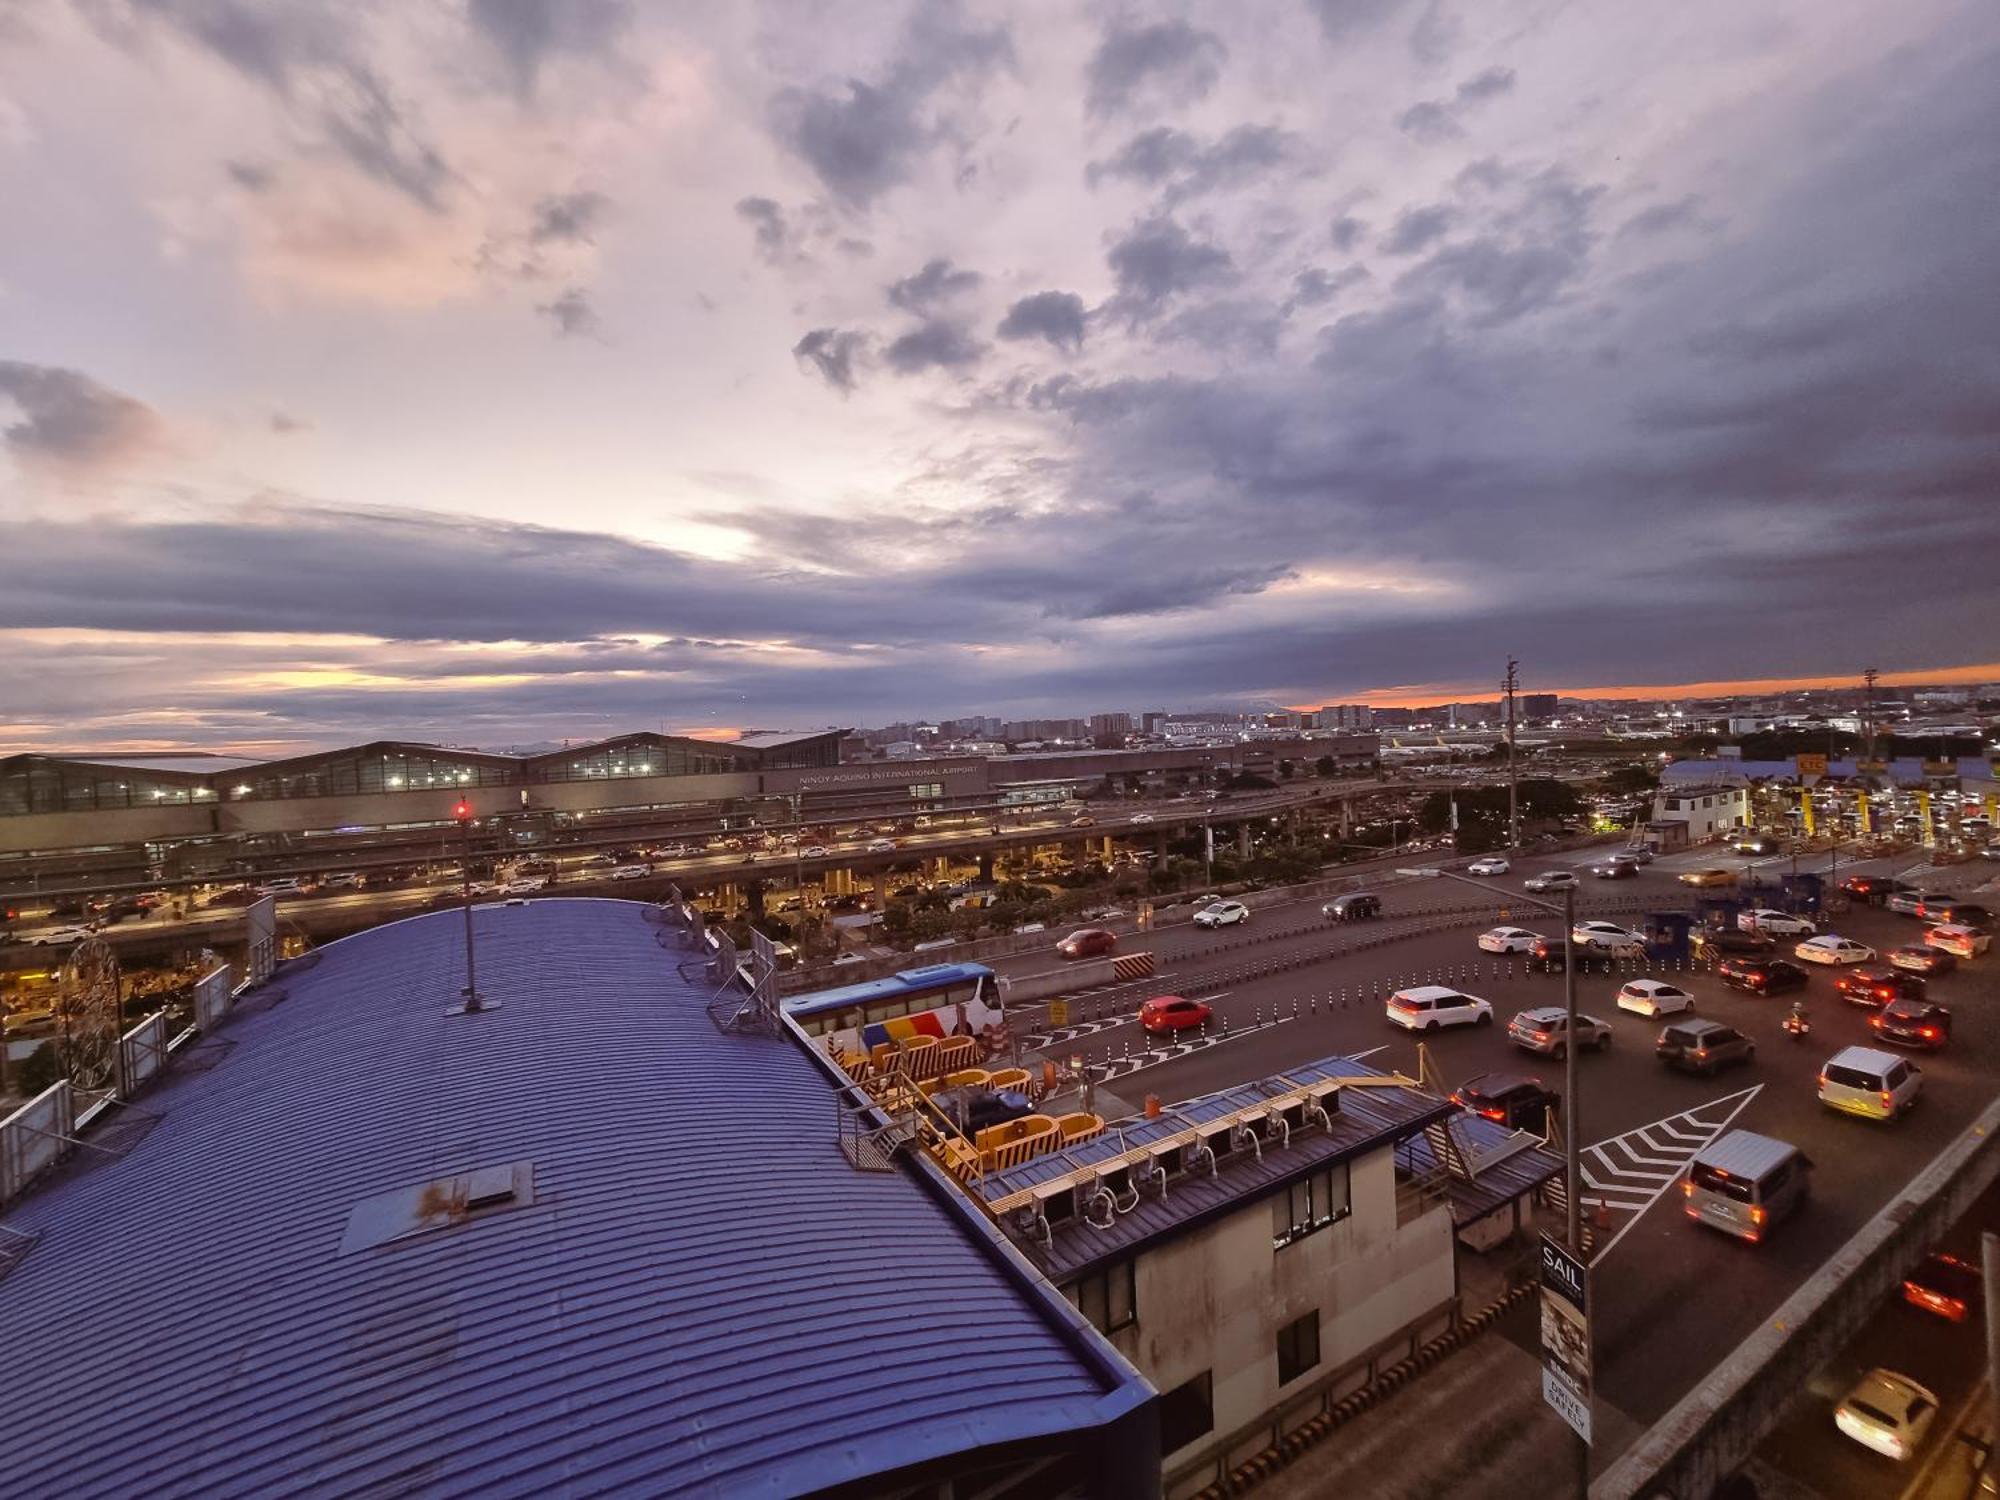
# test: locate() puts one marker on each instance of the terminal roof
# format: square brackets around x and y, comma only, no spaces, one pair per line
[693,1292]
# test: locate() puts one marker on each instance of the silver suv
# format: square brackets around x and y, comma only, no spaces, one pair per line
[1542,1030]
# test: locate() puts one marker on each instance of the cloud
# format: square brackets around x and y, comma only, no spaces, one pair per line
[938,283]
[285,424]
[1156,260]
[775,243]
[833,354]
[69,424]
[1660,218]
[251,176]
[1341,19]
[1057,317]
[1418,228]
[1438,121]
[572,313]
[1314,287]
[1189,167]
[568,218]
[1167,62]
[863,138]
[1347,232]
[936,344]
[529,34]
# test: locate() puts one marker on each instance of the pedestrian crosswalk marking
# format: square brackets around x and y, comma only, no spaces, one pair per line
[1627,1174]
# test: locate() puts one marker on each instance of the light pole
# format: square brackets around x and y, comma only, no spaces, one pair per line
[1572,1113]
[463,813]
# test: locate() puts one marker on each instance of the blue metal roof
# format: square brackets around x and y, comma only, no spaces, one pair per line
[702,1298]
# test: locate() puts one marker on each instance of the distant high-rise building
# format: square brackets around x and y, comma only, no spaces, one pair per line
[1110,724]
[1538,705]
[1150,722]
[1345,716]
[1395,718]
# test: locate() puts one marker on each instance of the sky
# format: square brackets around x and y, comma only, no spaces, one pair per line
[501,371]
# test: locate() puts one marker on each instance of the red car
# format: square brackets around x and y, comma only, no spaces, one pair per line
[1944,1285]
[1174,1013]
[1088,942]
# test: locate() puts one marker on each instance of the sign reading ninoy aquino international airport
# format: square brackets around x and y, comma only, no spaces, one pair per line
[1566,1335]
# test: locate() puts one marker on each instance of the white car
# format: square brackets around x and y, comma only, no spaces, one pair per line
[1655,997]
[850,958]
[1491,865]
[1774,923]
[1222,914]
[1509,940]
[1832,948]
[1551,880]
[673,851]
[1958,940]
[59,935]
[347,880]
[814,851]
[1142,817]
[527,885]
[1426,1007]
[882,846]
[1608,937]
[1887,1412]
[631,872]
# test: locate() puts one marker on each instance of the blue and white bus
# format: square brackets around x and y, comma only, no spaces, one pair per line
[940,1000]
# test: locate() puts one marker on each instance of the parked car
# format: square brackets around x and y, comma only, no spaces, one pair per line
[1920,958]
[1608,937]
[1615,869]
[1509,1099]
[1877,984]
[1545,1030]
[1716,942]
[1088,942]
[1887,1412]
[1508,940]
[1944,1285]
[1713,875]
[1832,948]
[1875,1085]
[1355,906]
[1171,1013]
[1959,942]
[1912,1023]
[1427,1007]
[1654,997]
[1491,865]
[1550,880]
[1759,974]
[1774,923]
[1704,1047]
[1222,914]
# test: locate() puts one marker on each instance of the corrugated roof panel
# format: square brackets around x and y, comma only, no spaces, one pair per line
[703,1297]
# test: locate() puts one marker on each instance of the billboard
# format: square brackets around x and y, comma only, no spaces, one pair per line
[1566,1335]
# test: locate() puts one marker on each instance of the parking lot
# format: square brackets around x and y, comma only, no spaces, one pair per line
[1672,1297]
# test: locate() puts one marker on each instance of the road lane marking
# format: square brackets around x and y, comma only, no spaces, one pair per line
[1731,1106]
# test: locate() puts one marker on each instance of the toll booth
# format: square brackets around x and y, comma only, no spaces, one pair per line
[1719,911]
[1667,934]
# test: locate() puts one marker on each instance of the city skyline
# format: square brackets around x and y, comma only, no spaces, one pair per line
[510,372]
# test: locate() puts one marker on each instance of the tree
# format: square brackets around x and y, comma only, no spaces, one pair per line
[1325,766]
[1286,770]
[1629,781]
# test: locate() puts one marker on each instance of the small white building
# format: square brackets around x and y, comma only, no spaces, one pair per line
[1709,809]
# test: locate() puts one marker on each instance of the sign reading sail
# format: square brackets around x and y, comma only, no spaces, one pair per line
[1566,1335]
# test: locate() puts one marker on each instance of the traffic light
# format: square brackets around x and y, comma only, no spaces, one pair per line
[462,811]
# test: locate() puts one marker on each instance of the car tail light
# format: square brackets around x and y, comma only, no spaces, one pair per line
[1757,1216]
[1701,1052]
[1687,1187]
[1455,1099]
[1928,1033]
[1886,1099]
[1541,1036]
[1494,1114]
[1822,1080]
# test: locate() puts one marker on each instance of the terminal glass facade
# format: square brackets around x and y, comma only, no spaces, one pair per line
[648,757]
[369,772]
[32,785]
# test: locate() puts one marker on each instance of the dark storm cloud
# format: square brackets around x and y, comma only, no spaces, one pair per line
[862,138]
[529,33]
[937,344]
[833,354]
[572,313]
[307,58]
[1156,260]
[69,420]
[568,218]
[1189,167]
[1057,317]
[1168,62]
[1418,228]
[938,283]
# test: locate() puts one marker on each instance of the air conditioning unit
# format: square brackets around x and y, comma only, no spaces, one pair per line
[1170,1161]
[1219,1139]
[1056,1202]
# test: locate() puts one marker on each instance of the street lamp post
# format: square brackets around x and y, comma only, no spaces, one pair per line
[463,813]
[1572,1111]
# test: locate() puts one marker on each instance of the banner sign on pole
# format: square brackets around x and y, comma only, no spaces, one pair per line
[1566,1335]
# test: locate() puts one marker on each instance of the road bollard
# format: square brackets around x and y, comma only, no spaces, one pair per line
[1295,1008]
[1225,1028]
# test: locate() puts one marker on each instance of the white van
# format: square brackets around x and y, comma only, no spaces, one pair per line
[284,885]
[1875,1085]
[1426,1007]
[1743,1183]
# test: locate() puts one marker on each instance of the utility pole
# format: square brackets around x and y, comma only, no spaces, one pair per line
[1868,679]
[1989,1257]
[1512,682]
[472,1006]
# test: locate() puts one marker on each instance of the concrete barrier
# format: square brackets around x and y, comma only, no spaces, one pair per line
[1715,1428]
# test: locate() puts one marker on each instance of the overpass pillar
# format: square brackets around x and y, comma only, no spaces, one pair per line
[1243,839]
[1160,847]
[1104,848]
[1347,817]
[985,864]
[881,888]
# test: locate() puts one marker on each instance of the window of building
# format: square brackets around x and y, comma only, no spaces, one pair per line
[1298,1347]
[1108,1298]
[1309,1205]
[1187,1411]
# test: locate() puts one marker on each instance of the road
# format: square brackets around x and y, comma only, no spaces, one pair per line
[1673,1298]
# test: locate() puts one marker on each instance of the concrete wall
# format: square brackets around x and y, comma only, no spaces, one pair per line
[71,830]
[1215,1299]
